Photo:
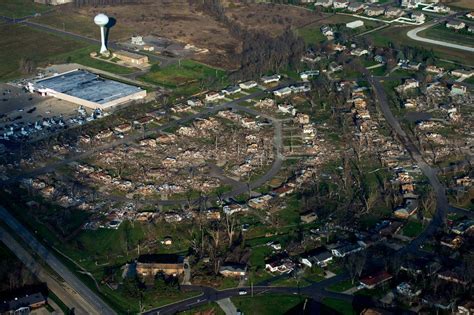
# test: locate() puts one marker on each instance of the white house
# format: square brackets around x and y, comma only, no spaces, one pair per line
[247,85]
[214,96]
[305,75]
[418,17]
[340,4]
[282,92]
[457,25]
[271,78]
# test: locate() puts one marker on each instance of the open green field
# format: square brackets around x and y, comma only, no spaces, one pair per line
[397,35]
[80,24]
[441,32]
[339,306]
[17,42]
[271,304]
[21,8]
[189,76]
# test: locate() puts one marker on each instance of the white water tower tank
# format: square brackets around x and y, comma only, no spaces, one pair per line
[102,20]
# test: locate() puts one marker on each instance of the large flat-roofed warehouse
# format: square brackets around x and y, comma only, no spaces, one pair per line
[88,89]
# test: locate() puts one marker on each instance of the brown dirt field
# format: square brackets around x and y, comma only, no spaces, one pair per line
[466,4]
[179,21]
[165,18]
[273,18]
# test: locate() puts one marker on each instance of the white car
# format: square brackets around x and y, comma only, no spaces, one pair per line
[242,292]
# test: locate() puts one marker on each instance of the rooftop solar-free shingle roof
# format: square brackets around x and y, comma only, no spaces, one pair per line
[88,86]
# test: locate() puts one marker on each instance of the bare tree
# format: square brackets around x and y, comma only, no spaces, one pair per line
[355,264]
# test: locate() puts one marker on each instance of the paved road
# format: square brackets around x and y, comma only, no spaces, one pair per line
[87,294]
[441,200]
[413,34]
[61,289]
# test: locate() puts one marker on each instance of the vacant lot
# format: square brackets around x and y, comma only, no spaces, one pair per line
[21,8]
[441,32]
[271,304]
[464,4]
[19,42]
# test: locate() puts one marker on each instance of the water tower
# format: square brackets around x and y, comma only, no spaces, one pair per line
[102,20]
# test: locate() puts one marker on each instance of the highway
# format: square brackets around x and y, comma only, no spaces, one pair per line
[95,302]
[61,289]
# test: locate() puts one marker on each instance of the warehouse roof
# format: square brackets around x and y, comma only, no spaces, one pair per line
[88,86]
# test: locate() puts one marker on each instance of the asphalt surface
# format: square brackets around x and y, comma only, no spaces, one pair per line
[87,294]
[442,204]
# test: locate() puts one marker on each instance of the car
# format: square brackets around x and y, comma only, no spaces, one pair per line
[242,292]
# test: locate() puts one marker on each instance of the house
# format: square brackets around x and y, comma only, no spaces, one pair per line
[280,263]
[338,47]
[21,303]
[248,85]
[324,3]
[359,52]
[151,264]
[271,78]
[214,96]
[287,109]
[355,24]
[461,73]
[379,59]
[457,25]
[340,4]
[434,69]
[418,17]
[373,280]
[345,250]
[123,128]
[466,307]
[233,270]
[355,7]
[327,31]
[316,257]
[234,208]
[410,4]
[439,301]
[420,265]
[374,11]
[458,89]
[407,290]
[334,67]
[283,191]
[440,8]
[231,90]
[306,75]
[282,92]
[260,202]
[452,241]
[470,15]
[300,88]
[470,29]
[148,48]
[393,12]
[455,276]
[308,217]
[410,84]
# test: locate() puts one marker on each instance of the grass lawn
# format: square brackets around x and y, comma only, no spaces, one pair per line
[412,229]
[17,42]
[383,37]
[441,32]
[186,75]
[341,307]
[342,286]
[271,304]
[210,308]
[311,35]
[21,8]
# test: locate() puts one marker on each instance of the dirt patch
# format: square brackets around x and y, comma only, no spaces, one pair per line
[466,4]
[273,18]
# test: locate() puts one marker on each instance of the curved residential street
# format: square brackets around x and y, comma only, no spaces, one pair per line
[413,34]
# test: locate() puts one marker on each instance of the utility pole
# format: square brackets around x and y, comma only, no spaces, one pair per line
[251,287]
